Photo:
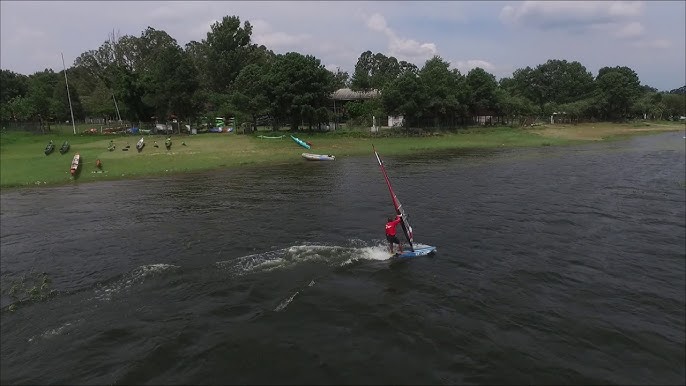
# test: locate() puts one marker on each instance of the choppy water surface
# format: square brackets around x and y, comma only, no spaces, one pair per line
[554,266]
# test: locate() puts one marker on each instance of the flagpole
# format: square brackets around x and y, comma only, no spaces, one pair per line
[68,95]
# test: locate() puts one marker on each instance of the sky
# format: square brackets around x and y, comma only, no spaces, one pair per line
[498,36]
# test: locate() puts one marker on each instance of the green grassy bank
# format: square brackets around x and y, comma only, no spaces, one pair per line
[23,163]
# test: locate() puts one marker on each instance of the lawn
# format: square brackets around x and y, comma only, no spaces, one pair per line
[23,163]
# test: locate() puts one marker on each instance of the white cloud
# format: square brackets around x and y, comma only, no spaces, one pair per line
[626,8]
[629,31]
[377,22]
[263,33]
[560,14]
[401,48]
[620,30]
[654,43]
[175,12]
[411,48]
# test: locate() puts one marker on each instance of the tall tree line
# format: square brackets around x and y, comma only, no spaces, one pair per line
[150,78]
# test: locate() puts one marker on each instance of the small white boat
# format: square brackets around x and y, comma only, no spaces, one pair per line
[140,144]
[318,157]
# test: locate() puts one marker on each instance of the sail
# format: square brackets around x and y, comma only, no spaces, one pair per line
[407,229]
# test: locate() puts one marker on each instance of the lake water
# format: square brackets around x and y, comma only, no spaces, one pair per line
[554,266]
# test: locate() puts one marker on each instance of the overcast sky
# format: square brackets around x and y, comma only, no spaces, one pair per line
[499,36]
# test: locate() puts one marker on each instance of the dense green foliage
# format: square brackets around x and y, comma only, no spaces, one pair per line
[150,78]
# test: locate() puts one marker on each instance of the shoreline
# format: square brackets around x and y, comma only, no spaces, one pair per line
[24,166]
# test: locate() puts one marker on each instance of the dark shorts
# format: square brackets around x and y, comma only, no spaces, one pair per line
[393,239]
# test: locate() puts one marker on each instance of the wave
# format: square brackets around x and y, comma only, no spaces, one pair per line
[65,327]
[284,303]
[290,257]
[137,276]
[282,306]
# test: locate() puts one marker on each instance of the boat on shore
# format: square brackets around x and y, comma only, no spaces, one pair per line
[65,147]
[49,148]
[273,137]
[140,145]
[75,163]
[301,142]
[318,157]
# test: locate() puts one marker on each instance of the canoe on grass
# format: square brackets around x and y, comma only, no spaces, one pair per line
[65,147]
[75,164]
[49,149]
[140,144]
[268,137]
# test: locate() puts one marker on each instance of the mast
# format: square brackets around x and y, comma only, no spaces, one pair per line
[73,124]
[113,43]
[116,107]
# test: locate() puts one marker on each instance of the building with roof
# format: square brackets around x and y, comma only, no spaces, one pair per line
[343,96]
[346,94]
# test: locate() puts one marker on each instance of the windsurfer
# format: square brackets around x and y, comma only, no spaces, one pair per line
[391,233]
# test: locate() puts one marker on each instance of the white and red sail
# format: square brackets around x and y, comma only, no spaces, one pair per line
[407,229]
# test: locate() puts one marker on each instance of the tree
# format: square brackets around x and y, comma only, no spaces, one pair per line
[250,94]
[513,106]
[408,67]
[361,79]
[405,96]
[41,88]
[362,111]
[617,88]
[295,81]
[447,90]
[341,79]
[564,82]
[675,105]
[115,64]
[13,85]
[375,71]
[149,75]
[648,89]
[61,107]
[481,87]
[129,90]
[18,108]
[225,51]
[168,77]
[99,103]
[556,81]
